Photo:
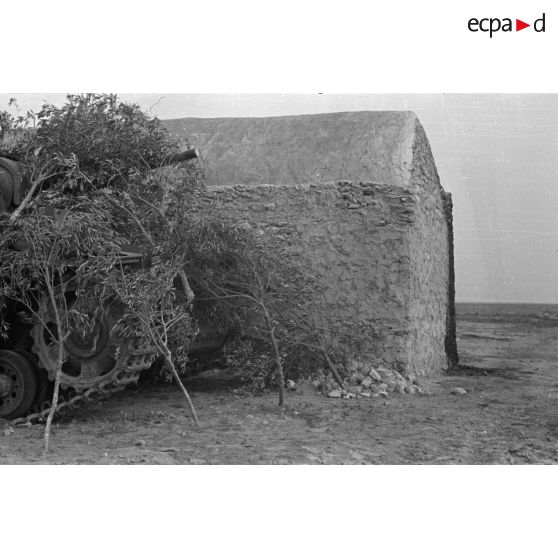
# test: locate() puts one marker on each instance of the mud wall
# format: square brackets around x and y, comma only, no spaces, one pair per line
[369,146]
[351,241]
[430,262]
[372,231]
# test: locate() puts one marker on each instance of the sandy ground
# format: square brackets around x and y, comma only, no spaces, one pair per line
[508,415]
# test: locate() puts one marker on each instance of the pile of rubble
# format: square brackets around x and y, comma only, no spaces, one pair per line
[362,380]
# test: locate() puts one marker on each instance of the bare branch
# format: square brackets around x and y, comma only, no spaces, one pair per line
[31,192]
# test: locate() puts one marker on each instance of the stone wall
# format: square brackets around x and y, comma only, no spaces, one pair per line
[430,262]
[376,240]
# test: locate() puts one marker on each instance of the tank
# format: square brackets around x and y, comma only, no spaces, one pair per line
[97,363]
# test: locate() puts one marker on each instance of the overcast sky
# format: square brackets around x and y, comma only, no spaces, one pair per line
[497,154]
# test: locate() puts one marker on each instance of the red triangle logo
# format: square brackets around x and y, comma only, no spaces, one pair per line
[519,25]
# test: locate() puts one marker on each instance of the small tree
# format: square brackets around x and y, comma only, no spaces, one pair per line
[36,270]
[152,310]
[263,294]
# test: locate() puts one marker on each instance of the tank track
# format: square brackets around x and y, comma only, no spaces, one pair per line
[140,358]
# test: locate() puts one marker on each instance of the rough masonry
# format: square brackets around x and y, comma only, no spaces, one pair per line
[357,199]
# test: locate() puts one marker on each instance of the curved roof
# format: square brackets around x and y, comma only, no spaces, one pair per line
[357,146]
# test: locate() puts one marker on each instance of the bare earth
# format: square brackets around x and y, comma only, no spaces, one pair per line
[509,414]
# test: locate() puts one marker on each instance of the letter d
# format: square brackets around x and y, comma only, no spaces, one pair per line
[537,21]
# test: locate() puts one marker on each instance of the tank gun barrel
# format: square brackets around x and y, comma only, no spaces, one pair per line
[14,182]
[186,155]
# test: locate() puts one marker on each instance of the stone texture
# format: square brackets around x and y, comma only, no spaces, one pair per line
[346,146]
[356,198]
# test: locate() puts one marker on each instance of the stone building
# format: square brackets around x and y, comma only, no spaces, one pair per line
[357,199]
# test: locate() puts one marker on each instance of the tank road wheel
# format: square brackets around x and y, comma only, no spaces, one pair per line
[89,358]
[44,391]
[18,385]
